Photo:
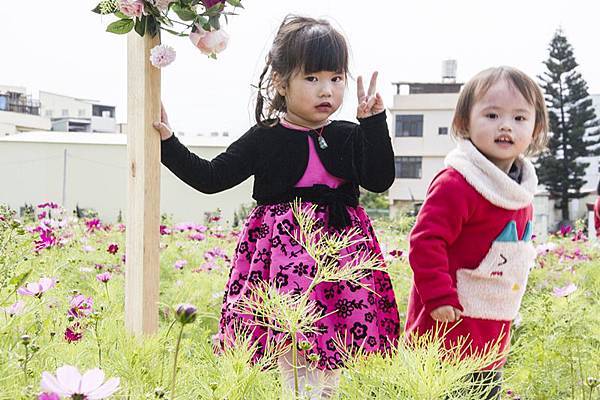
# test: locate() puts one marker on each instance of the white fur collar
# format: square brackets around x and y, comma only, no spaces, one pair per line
[490,181]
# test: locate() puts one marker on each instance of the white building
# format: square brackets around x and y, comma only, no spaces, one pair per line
[89,170]
[421,119]
[71,114]
[19,112]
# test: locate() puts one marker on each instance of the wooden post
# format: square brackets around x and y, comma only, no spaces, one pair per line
[143,188]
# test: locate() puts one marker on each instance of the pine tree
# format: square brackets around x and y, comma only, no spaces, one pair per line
[574,129]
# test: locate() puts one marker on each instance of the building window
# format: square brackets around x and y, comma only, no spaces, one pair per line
[48,113]
[443,130]
[3,103]
[409,125]
[409,167]
[65,112]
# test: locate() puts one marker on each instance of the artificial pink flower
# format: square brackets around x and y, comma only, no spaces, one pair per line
[565,230]
[209,42]
[81,306]
[69,382]
[162,55]
[42,215]
[113,248]
[104,277]
[210,3]
[564,291]
[37,288]
[132,8]
[162,4]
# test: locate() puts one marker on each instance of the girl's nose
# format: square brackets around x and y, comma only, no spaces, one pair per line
[505,126]
[325,90]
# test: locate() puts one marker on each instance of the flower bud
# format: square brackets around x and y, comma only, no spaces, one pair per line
[186,313]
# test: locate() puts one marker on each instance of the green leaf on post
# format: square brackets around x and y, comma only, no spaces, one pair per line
[152,26]
[140,26]
[120,27]
[185,13]
[235,3]
[214,22]
[119,14]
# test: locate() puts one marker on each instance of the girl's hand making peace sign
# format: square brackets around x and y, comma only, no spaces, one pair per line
[370,103]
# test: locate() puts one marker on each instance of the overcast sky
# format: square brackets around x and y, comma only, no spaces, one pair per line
[60,46]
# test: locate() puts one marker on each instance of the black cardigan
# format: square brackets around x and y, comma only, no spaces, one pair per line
[278,156]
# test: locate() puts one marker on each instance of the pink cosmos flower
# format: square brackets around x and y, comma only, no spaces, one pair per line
[81,306]
[42,215]
[37,288]
[197,236]
[15,309]
[73,333]
[104,277]
[162,55]
[209,42]
[565,230]
[93,225]
[132,8]
[179,264]
[49,205]
[164,230]
[564,291]
[113,248]
[70,382]
[46,240]
[48,396]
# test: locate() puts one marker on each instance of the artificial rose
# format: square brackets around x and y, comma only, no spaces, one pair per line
[132,8]
[209,42]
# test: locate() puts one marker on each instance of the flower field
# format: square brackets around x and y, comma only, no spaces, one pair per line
[62,333]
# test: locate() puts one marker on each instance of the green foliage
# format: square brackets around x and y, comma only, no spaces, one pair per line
[574,129]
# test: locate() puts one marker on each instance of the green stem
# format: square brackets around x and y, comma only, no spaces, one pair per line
[175,363]
[98,342]
[164,352]
[106,287]
[295,365]
[25,363]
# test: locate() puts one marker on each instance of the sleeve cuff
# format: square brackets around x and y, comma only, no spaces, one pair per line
[373,119]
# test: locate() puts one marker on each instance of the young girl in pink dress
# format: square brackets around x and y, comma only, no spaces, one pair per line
[296,151]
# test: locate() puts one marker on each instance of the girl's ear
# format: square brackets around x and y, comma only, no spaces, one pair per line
[279,84]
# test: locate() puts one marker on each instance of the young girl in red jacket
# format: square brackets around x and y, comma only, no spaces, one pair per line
[470,249]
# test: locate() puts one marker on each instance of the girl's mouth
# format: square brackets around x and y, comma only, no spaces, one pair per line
[324,107]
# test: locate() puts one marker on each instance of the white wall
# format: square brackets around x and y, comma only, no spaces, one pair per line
[32,172]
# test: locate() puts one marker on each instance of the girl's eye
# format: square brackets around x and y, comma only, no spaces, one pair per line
[311,78]
[491,115]
[520,118]
[337,79]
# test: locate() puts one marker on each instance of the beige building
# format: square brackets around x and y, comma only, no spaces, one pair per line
[89,170]
[19,112]
[421,118]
